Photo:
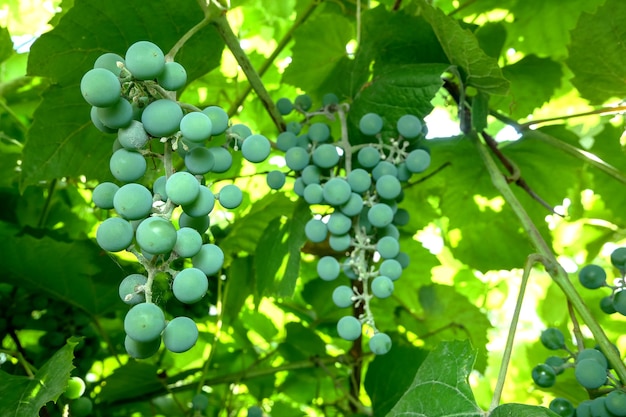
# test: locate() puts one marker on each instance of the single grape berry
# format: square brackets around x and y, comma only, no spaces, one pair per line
[255,411]
[342,296]
[544,375]
[382,286]
[81,407]
[370,124]
[190,285]
[556,363]
[284,106]
[100,87]
[606,305]
[590,373]
[618,259]
[131,289]
[103,195]
[619,302]
[552,338]
[144,322]
[409,126]
[315,230]
[256,148]
[145,60]
[141,350]
[380,343]
[156,235]
[114,234]
[180,334]
[563,407]
[349,328]
[303,102]
[328,268]
[209,260]
[616,402]
[275,179]
[75,388]
[592,276]
[200,402]
[173,77]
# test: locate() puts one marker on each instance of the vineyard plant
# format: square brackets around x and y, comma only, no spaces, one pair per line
[312,208]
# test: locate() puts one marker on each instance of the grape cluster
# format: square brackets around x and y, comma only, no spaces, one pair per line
[591,370]
[134,96]
[594,276]
[355,189]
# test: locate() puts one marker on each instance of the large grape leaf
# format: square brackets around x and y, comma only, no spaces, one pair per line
[24,396]
[600,71]
[522,410]
[132,380]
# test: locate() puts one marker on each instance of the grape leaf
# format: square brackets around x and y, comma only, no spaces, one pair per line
[6,44]
[132,380]
[440,387]
[522,410]
[24,396]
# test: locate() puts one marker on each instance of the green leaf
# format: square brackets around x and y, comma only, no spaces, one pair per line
[491,38]
[522,410]
[597,53]
[463,50]
[23,396]
[270,255]
[480,111]
[239,286]
[295,241]
[440,387]
[133,380]
[6,44]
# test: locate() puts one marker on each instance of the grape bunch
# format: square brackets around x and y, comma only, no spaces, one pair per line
[591,370]
[134,97]
[355,189]
[594,276]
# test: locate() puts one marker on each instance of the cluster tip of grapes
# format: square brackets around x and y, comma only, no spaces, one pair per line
[134,97]
[358,200]
[593,277]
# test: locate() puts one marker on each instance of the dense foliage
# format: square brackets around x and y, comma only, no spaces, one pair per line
[481,143]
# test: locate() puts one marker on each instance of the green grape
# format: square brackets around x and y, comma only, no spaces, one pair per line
[199,160]
[100,87]
[131,289]
[162,118]
[384,168]
[368,157]
[370,124]
[543,375]
[616,402]
[606,305]
[329,99]
[158,187]
[553,339]
[360,180]
[337,191]
[145,60]
[403,258]
[180,334]
[315,230]
[202,205]
[303,102]
[196,127]
[590,374]
[284,106]
[382,286]
[380,343]
[285,141]
[388,247]
[114,234]
[409,126]
[75,388]
[403,172]
[556,363]
[133,201]
[325,156]
[141,350]
[219,119]
[319,132]
[339,223]
[594,354]
[182,188]
[328,268]
[342,296]
[201,224]
[618,259]
[584,409]
[81,407]
[256,148]
[275,179]
[230,196]
[390,268]
[303,141]
[188,242]
[133,136]
[109,62]
[353,206]
[200,402]
[156,235]
[311,174]
[417,161]
[598,408]
[349,328]
[380,215]
[117,116]
[102,195]
[313,194]
[98,123]
[173,77]
[340,243]
[401,217]
[592,276]
[209,260]
[388,187]
[255,411]
[190,285]
[223,159]
[297,158]
[294,127]
[238,133]
[562,407]
[619,302]
[127,166]
[144,322]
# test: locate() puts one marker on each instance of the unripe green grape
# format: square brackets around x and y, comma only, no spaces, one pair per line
[403,258]
[219,119]
[117,116]
[255,411]
[557,363]
[390,268]
[553,339]
[388,187]
[303,141]
[81,407]
[209,260]
[200,402]
[173,77]
[342,296]
[349,328]
[237,133]
[370,124]
[329,99]
[360,180]
[75,388]
[417,161]
[353,206]
[95,119]
[100,87]
[141,350]
[133,201]
[563,407]
[161,118]
[109,62]
[275,179]
[156,235]
[384,168]
[133,136]
[230,196]
[313,194]
[256,148]
[315,230]
[388,247]
[182,188]
[584,409]
[223,159]
[127,166]
[145,60]
[114,234]
[340,243]
[337,191]
[368,157]
[382,286]
[618,259]
[102,195]
[319,132]
[326,156]
[294,127]
[188,242]
[196,127]
[409,126]
[401,217]
[380,343]
[543,375]
[190,285]
[201,224]
[606,305]
[328,268]
[380,215]
[619,302]
[590,374]
[158,187]
[144,322]
[403,172]
[202,205]
[311,174]
[180,334]
[598,408]
[594,354]
[616,402]
[285,141]
[592,276]
[199,160]
[339,223]
[131,289]
[284,106]
[297,158]
[303,102]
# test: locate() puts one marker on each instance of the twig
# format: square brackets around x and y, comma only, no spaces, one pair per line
[604,111]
